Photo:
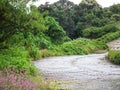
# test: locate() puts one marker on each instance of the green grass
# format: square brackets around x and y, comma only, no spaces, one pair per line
[114,56]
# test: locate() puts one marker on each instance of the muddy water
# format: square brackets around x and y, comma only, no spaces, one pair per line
[87,72]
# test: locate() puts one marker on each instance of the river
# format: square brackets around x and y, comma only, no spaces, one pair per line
[81,72]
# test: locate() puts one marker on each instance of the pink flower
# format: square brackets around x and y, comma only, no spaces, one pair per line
[16,82]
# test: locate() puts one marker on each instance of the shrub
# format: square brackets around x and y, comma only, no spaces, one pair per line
[109,37]
[81,46]
[114,56]
[16,58]
[96,32]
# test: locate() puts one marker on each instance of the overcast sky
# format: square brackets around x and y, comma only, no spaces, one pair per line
[103,3]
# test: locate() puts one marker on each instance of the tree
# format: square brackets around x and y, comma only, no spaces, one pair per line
[115,17]
[115,12]
[55,31]
[63,4]
[62,12]
[14,19]
[75,18]
[10,18]
[115,9]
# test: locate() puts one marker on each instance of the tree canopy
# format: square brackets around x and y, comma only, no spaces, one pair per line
[75,18]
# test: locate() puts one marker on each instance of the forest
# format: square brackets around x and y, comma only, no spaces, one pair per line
[58,29]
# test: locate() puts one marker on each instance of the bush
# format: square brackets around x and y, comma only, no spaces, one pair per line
[109,37]
[114,56]
[81,46]
[16,58]
[96,32]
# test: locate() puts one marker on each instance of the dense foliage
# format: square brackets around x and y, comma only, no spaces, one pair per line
[23,34]
[75,18]
[16,59]
[55,31]
[81,46]
[96,32]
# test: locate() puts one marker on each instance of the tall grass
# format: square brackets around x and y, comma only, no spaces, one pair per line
[114,56]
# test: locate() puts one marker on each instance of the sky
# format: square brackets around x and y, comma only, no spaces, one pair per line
[103,3]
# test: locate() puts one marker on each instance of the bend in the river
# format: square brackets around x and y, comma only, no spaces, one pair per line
[82,72]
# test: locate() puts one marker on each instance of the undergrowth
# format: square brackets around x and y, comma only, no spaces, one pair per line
[109,37]
[16,58]
[96,32]
[79,46]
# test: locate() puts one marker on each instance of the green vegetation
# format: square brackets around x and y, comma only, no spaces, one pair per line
[55,31]
[61,28]
[23,34]
[16,59]
[76,18]
[81,46]
[114,56]
[109,37]
[96,32]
